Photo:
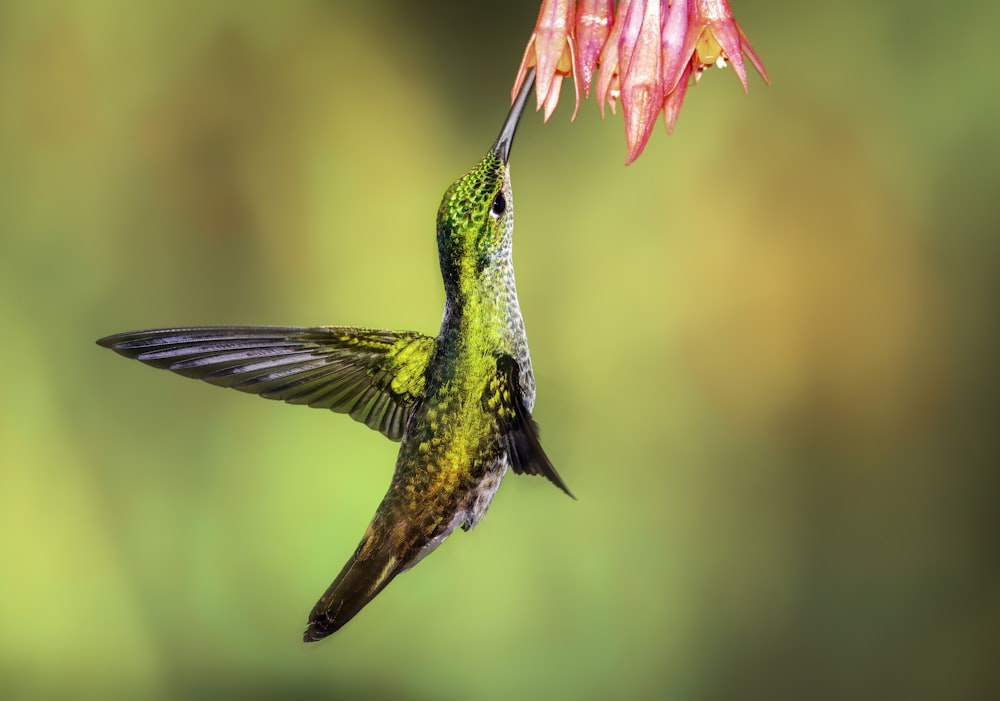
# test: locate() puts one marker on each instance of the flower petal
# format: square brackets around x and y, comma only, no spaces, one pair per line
[717,18]
[630,32]
[553,98]
[608,61]
[674,39]
[555,18]
[576,83]
[642,89]
[593,24]
[675,98]
[527,61]
[754,58]
[729,40]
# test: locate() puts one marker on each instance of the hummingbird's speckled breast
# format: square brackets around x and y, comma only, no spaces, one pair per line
[450,463]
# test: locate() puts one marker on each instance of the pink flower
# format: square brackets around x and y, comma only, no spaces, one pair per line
[647,52]
[551,49]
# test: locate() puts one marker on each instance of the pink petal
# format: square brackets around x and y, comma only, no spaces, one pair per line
[675,99]
[642,89]
[593,24]
[553,98]
[713,11]
[729,40]
[552,29]
[527,61]
[717,17]
[675,37]
[754,58]
[576,83]
[630,32]
[608,60]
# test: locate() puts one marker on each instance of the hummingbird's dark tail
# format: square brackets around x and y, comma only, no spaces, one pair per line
[374,564]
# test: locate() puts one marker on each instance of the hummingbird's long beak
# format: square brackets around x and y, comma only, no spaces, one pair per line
[506,138]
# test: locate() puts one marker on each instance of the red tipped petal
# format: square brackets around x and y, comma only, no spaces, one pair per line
[674,41]
[711,11]
[593,24]
[675,99]
[754,58]
[717,17]
[630,32]
[527,61]
[555,18]
[608,60]
[641,108]
[729,40]
[576,82]
[642,89]
[553,99]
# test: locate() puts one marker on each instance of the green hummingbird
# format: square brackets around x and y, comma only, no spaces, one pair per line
[460,403]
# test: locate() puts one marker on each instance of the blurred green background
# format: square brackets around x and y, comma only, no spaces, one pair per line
[766,356]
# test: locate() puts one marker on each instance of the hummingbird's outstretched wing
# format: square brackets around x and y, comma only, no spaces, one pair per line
[519,431]
[374,375]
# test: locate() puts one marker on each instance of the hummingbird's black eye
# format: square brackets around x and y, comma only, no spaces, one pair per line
[499,206]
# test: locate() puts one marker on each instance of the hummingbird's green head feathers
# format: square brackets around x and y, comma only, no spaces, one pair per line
[476,218]
[475,223]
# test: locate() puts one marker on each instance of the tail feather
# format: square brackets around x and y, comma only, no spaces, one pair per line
[370,569]
[393,543]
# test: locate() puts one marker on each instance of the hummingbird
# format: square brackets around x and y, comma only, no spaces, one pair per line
[459,403]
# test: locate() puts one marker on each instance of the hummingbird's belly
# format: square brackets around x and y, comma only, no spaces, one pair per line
[470,511]
[482,495]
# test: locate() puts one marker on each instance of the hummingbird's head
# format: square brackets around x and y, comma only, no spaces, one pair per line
[475,224]
[476,218]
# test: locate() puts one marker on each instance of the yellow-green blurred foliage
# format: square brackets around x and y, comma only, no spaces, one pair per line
[765,355]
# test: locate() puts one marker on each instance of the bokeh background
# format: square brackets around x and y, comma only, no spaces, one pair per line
[766,356]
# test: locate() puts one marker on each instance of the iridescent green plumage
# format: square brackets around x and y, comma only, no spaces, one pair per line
[460,403]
